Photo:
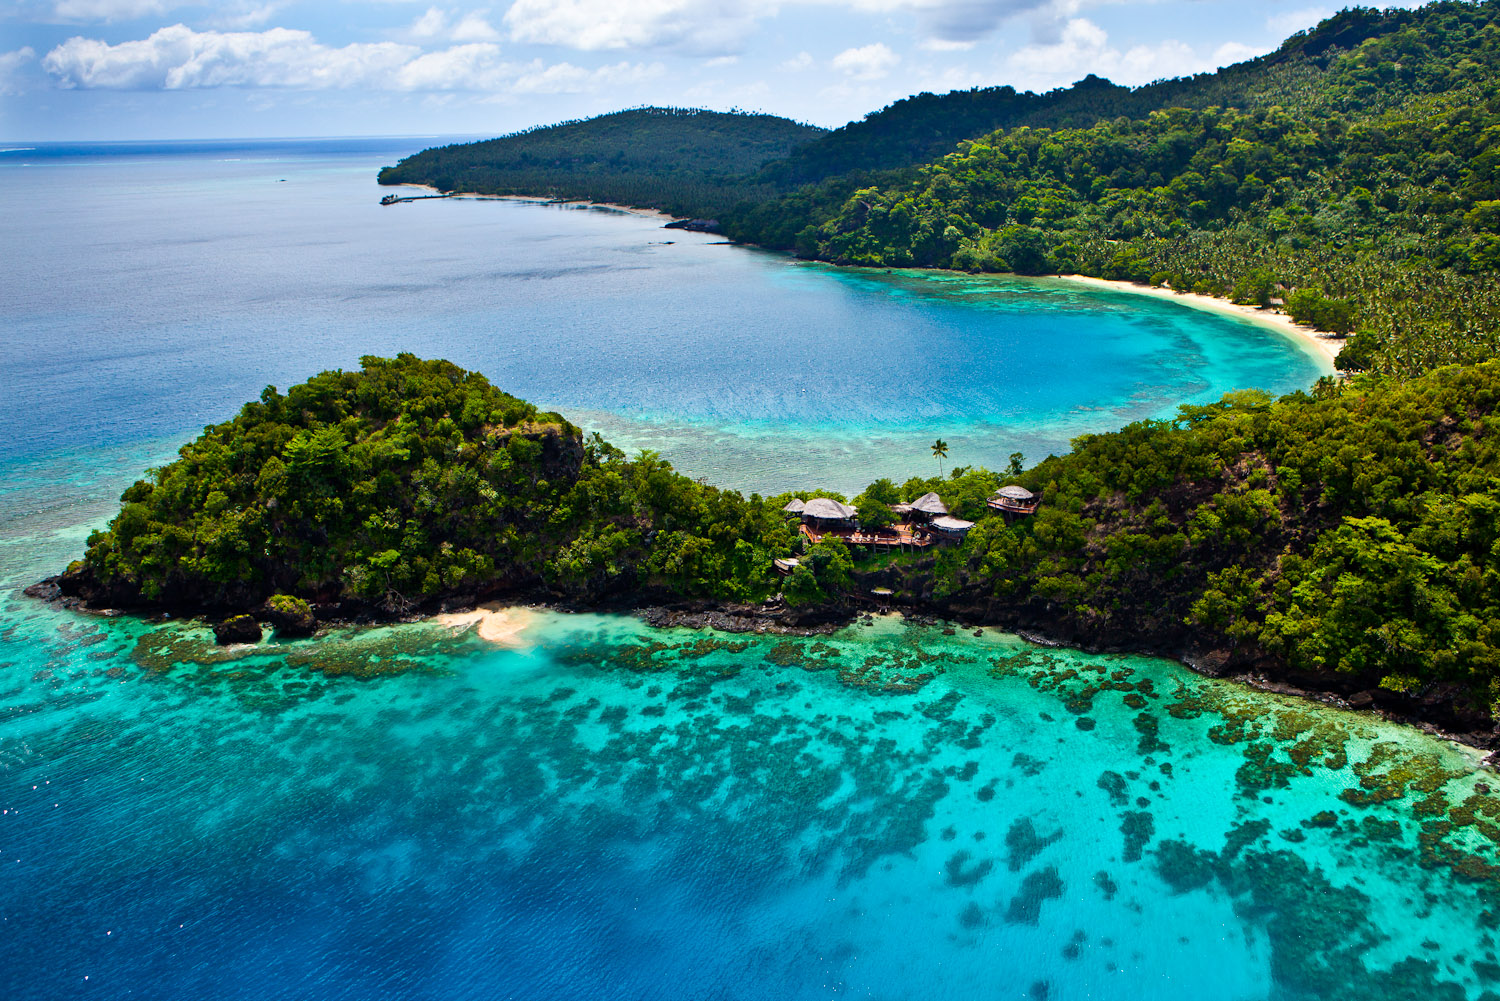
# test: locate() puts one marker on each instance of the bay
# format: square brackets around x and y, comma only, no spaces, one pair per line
[154,288]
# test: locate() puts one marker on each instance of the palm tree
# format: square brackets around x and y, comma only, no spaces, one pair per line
[940,452]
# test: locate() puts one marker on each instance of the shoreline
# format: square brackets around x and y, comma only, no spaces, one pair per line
[502,622]
[495,623]
[1324,345]
[1327,345]
[584,203]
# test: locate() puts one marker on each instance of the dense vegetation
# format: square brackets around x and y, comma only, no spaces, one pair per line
[1304,73]
[1355,531]
[1351,533]
[679,160]
[411,479]
[1374,183]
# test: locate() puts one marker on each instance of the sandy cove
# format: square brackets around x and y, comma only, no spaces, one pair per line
[1327,345]
[499,624]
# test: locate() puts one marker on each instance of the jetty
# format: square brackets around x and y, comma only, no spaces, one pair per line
[398,199]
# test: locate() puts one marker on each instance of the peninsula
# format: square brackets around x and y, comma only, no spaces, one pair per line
[1346,540]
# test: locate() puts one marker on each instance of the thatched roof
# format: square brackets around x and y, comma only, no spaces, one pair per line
[929,503]
[794,506]
[1015,493]
[948,524]
[827,509]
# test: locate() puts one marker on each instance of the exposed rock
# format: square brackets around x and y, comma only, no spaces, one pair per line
[237,629]
[290,616]
[45,590]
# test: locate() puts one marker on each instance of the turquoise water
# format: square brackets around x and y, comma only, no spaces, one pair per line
[612,811]
[619,812]
[155,288]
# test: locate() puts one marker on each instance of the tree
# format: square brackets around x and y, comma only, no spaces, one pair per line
[940,452]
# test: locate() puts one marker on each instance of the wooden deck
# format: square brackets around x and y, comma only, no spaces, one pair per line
[1008,506]
[897,536]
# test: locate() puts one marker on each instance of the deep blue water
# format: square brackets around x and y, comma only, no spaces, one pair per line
[603,810]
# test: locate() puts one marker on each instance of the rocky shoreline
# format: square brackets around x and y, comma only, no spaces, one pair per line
[1439,712]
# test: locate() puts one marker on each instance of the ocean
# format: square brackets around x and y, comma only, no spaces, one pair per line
[600,809]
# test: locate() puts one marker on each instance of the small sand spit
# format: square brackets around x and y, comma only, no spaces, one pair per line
[498,624]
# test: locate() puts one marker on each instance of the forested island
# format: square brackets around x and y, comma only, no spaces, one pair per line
[1346,540]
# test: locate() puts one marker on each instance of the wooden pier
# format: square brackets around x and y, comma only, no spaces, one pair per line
[398,199]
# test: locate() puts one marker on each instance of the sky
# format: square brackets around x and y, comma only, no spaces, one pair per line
[163,69]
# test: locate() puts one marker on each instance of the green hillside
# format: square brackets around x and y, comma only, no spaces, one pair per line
[1370,199]
[1306,73]
[407,481]
[681,160]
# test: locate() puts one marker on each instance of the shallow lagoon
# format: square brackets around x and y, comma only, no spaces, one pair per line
[616,811]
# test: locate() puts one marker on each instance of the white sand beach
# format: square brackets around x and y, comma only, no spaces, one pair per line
[1328,345]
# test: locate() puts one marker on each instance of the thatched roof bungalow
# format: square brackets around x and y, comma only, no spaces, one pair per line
[927,507]
[794,506]
[825,509]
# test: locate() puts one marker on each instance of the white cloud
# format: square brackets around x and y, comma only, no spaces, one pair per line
[179,58]
[1083,47]
[1293,21]
[429,25]
[473,27]
[110,10]
[1234,52]
[713,27]
[462,67]
[438,24]
[11,64]
[248,15]
[869,62]
[563,78]
[944,45]
[703,27]
[959,21]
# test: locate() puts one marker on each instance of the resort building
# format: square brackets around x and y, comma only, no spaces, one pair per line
[921,510]
[950,528]
[826,513]
[1015,501]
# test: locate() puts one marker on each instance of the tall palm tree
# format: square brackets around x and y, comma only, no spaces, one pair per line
[940,452]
